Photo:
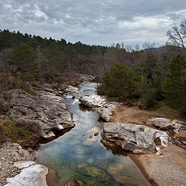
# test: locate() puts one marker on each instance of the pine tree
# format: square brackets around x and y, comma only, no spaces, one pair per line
[24,59]
[175,84]
[121,82]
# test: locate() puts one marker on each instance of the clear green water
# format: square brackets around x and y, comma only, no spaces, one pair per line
[76,154]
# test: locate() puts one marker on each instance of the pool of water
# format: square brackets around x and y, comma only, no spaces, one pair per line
[78,153]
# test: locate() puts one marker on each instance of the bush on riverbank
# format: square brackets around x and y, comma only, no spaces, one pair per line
[121,82]
[11,131]
[175,84]
[124,84]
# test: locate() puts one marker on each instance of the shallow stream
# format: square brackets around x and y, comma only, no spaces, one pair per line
[78,153]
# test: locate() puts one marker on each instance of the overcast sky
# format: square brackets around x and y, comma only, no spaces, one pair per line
[100,22]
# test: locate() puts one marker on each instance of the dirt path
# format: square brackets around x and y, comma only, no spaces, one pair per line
[168,169]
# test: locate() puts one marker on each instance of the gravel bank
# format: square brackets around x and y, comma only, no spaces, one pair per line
[11,153]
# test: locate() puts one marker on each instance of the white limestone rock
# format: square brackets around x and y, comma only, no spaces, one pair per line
[131,137]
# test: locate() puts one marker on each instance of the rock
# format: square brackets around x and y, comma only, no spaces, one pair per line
[92,101]
[99,104]
[4,106]
[105,111]
[24,164]
[135,138]
[86,77]
[96,133]
[167,124]
[74,182]
[180,139]
[13,159]
[35,175]
[72,89]
[119,172]
[42,111]
[158,151]
[93,171]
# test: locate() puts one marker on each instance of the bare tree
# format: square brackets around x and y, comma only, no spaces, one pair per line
[177,35]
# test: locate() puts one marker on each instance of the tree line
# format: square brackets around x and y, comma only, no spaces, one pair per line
[152,75]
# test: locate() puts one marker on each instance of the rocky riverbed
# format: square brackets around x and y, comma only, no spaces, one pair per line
[41,109]
[168,165]
[28,115]
[156,139]
[17,167]
[40,112]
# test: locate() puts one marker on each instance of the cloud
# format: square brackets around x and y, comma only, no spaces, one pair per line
[93,22]
[146,22]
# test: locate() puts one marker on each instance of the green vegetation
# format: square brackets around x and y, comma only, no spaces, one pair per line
[175,84]
[146,76]
[23,57]
[11,131]
[121,82]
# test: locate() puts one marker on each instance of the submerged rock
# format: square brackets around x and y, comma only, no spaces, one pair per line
[93,171]
[96,133]
[74,182]
[119,173]
[135,138]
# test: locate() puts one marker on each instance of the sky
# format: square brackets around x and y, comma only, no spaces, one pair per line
[94,22]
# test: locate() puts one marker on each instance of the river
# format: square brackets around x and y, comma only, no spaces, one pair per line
[78,153]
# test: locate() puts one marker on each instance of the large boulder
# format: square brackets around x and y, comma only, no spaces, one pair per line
[92,101]
[40,110]
[166,124]
[131,137]
[100,105]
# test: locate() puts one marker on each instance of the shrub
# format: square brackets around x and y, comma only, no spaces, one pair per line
[175,84]
[121,82]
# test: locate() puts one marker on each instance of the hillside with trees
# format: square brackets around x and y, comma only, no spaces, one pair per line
[151,76]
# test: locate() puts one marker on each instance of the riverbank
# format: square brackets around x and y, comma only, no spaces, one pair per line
[45,105]
[169,168]
[29,116]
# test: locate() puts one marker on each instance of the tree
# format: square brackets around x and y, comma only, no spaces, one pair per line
[121,82]
[24,60]
[177,35]
[175,84]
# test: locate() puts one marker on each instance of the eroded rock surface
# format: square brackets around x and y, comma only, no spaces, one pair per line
[18,168]
[99,104]
[135,138]
[167,124]
[40,110]
[92,101]
[31,174]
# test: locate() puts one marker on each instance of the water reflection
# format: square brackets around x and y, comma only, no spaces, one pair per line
[80,154]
